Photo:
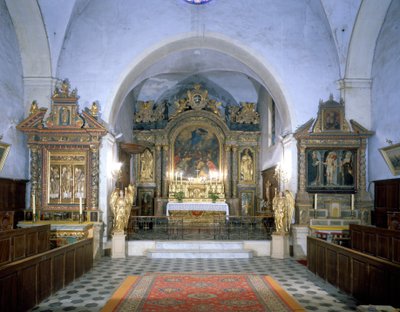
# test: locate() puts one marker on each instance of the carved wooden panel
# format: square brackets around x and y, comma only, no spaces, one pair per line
[320,262]
[44,277]
[19,247]
[28,293]
[377,281]
[5,250]
[344,273]
[356,240]
[8,290]
[369,243]
[31,243]
[331,266]
[396,250]
[70,268]
[58,272]
[360,280]
[387,198]
[383,248]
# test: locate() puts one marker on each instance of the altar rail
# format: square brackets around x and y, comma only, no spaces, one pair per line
[21,243]
[220,228]
[25,283]
[368,279]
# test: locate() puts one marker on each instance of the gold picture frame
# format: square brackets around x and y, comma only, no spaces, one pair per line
[391,154]
[4,150]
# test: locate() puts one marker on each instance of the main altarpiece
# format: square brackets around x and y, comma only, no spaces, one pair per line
[197,150]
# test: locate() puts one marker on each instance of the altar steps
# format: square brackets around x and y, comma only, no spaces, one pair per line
[199,249]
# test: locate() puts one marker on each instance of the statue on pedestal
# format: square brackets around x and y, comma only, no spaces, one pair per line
[283,206]
[121,205]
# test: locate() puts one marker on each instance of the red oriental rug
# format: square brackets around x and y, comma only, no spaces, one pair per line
[201,292]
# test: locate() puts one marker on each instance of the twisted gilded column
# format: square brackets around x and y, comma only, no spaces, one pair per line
[92,199]
[228,164]
[158,170]
[234,170]
[36,174]
[165,161]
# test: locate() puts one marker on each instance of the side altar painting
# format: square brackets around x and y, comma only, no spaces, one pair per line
[331,169]
[196,153]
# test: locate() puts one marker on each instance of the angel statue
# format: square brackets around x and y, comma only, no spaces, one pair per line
[121,207]
[283,207]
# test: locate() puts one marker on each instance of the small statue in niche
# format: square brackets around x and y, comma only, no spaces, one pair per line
[146,165]
[121,205]
[246,166]
[94,110]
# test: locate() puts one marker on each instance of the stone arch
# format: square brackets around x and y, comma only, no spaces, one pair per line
[364,37]
[255,63]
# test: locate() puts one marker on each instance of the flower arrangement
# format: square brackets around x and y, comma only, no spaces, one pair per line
[213,197]
[179,196]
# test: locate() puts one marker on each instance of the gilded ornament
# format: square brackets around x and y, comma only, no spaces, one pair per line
[34,108]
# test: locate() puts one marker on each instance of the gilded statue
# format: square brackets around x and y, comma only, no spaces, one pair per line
[246,166]
[121,205]
[146,165]
[34,108]
[283,206]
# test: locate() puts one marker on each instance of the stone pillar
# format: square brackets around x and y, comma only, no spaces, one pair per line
[300,234]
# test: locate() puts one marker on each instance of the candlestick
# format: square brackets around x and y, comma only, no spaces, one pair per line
[352,202]
[33,206]
[315,201]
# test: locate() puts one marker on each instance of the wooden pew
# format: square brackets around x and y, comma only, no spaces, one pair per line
[21,243]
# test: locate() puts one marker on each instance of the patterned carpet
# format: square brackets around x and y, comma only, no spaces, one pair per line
[201,292]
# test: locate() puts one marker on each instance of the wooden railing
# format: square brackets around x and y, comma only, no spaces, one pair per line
[375,241]
[369,279]
[21,243]
[25,283]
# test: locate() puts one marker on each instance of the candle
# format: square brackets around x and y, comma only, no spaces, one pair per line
[181,178]
[80,205]
[352,201]
[315,201]
[33,204]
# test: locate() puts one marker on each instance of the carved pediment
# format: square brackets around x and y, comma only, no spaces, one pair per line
[245,114]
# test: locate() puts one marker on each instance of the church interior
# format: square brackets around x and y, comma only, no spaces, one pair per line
[202,137]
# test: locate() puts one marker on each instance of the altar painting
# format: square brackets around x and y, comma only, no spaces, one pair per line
[66,178]
[331,170]
[196,153]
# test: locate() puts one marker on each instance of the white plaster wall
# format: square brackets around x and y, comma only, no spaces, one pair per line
[385,93]
[294,36]
[11,99]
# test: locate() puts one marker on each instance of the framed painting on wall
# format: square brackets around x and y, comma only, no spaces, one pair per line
[391,154]
[332,118]
[146,201]
[331,170]
[4,150]
[196,153]
[247,203]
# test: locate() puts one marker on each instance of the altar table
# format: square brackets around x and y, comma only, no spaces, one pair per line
[190,206]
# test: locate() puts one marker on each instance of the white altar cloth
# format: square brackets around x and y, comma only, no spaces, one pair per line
[198,206]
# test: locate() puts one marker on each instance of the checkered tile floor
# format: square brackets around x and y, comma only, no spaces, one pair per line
[92,290]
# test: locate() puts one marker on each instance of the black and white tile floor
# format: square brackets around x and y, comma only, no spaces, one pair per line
[92,290]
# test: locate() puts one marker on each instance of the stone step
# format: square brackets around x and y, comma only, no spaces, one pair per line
[199,245]
[199,254]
